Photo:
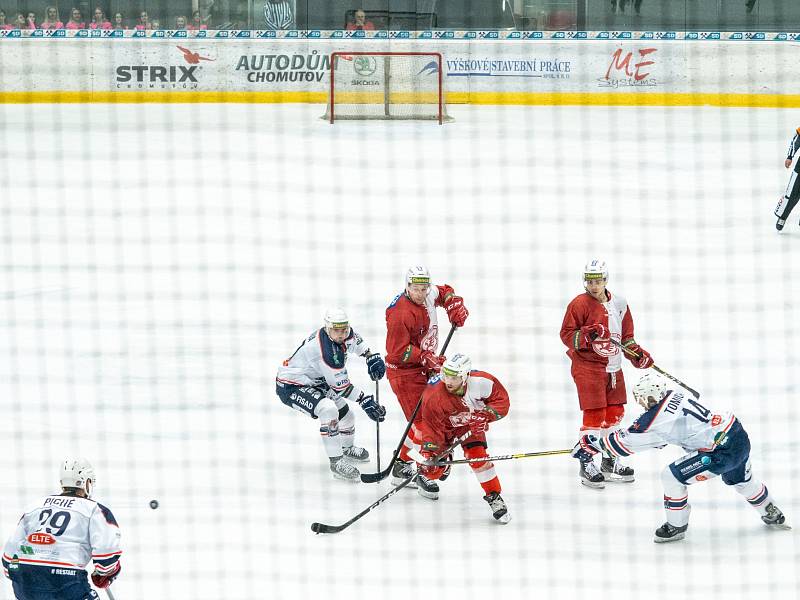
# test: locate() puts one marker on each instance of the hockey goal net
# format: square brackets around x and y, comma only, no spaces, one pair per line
[386,85]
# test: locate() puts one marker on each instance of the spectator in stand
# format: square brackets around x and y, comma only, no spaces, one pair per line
[119,21]
[75,20]
[144,22]
[180,22]
[155,24]
[278,14]
[99,21]
[197,23]
[51,20]
[3,24]
[360,23]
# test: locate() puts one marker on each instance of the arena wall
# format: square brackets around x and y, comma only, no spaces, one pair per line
[632,69]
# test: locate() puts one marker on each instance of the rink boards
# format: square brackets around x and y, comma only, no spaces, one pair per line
[724,72]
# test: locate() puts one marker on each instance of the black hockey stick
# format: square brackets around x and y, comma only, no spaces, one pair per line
[656,368]
[323,528]
[381,475]
[466,461]
[378,425]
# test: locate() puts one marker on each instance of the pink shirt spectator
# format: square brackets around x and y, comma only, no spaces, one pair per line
[49,26]
[103,25]
[193,27]
[74,25]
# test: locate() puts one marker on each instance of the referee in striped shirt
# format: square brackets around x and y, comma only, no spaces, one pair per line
[278,14]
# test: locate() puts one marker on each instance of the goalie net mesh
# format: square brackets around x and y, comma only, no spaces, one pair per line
[386,85]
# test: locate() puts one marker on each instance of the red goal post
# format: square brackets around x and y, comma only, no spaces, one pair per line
[386,86]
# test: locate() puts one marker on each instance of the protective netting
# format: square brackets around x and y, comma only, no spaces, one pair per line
[159,261]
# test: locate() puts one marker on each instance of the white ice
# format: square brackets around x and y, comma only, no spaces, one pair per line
[158,262]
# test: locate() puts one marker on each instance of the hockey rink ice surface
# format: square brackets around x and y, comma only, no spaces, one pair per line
[159,262]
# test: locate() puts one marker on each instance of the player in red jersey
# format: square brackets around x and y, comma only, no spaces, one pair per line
[593,318]
[462,401]
[412,338]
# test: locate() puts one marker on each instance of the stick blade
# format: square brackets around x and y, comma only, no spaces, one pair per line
[322,528]
[374,477]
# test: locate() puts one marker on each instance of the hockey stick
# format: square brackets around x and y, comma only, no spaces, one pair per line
[467,461]
[110,594]
[323,528]
[380,475]
[656,368]
[378,426]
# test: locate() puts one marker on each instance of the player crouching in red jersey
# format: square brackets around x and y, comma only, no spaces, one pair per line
[462,401]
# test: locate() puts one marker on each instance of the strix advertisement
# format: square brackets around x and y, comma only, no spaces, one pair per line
[174,68]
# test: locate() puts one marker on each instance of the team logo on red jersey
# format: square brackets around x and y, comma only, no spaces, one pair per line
[459,420]
[431,339]
[606,348]
[716,420]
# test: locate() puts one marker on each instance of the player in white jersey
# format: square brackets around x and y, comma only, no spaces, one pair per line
[314,381]
[46,556]
[716,443]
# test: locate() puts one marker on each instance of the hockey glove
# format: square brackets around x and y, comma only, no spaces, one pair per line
[374,411]
[457,313]
[592,333]
[585,449]
[429,471]
[103,581]
[642,360]
[375,367]
[478,422]
[431,361]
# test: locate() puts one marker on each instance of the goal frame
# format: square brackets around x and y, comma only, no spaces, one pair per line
[332,92]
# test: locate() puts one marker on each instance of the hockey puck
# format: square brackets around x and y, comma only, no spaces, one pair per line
[154,504]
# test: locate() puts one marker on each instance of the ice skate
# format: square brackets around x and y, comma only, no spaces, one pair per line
[343,470]
[403,471]
[356,453]
[774,517]
[427,488]
[499,508]
[591,476]
[779,225]
[615,472]
[670,533]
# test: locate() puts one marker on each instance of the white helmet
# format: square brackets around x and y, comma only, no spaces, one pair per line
[457,365]
[649,390]
[418,274]
[336,318]
[78,473]
[595,269]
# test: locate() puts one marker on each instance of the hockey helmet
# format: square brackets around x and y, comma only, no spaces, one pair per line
[458,365]
[336,320]
[418,274]
[595,269]
[78,473]
[649,390]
